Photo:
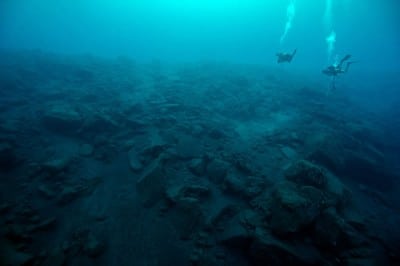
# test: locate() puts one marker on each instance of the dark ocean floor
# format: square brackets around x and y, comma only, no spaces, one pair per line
[111,162]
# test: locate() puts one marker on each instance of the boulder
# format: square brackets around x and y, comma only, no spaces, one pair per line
[5,207]
[43,225]
[289,153]
[151,185]
[329,155]
[68,193]
[62,118]
[17,233]
[135,162]
[55,257]
[365,169]
[219,214]
[243,163]
[71,192]
[46,191]
[8,158]
[93,247]
[86,149]
[362,164]
[217,170]
[97,121]
[250,219]
[181,192]
[332,232]
[234,234]
[153,150]
[57,165]
[362,262]
[188,218]
[233,184]
[217,134]
[305,173]
[268,250]
[188,148]
[254,186]
[11,256]
[197,166]
[337,193]
[244,186]
[293,208]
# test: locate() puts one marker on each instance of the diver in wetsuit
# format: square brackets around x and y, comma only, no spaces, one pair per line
[336,69]
[285,57]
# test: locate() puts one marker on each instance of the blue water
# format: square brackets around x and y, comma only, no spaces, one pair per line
[166,132]
[238,31]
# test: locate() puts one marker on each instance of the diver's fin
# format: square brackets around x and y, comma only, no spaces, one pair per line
[290,56]
[348,65]
[347,57]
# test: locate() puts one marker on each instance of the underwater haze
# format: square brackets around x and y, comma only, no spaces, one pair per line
[188,30]
[199,132]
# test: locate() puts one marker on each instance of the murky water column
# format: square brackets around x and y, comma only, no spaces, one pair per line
[329,28]
[290,13]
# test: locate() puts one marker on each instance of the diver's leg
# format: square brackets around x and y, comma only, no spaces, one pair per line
[347,66]
[341,62]
[347,57]
[294,52]
[333,83]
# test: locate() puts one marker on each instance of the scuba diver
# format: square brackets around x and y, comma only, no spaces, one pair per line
[285,57]
[336,69]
